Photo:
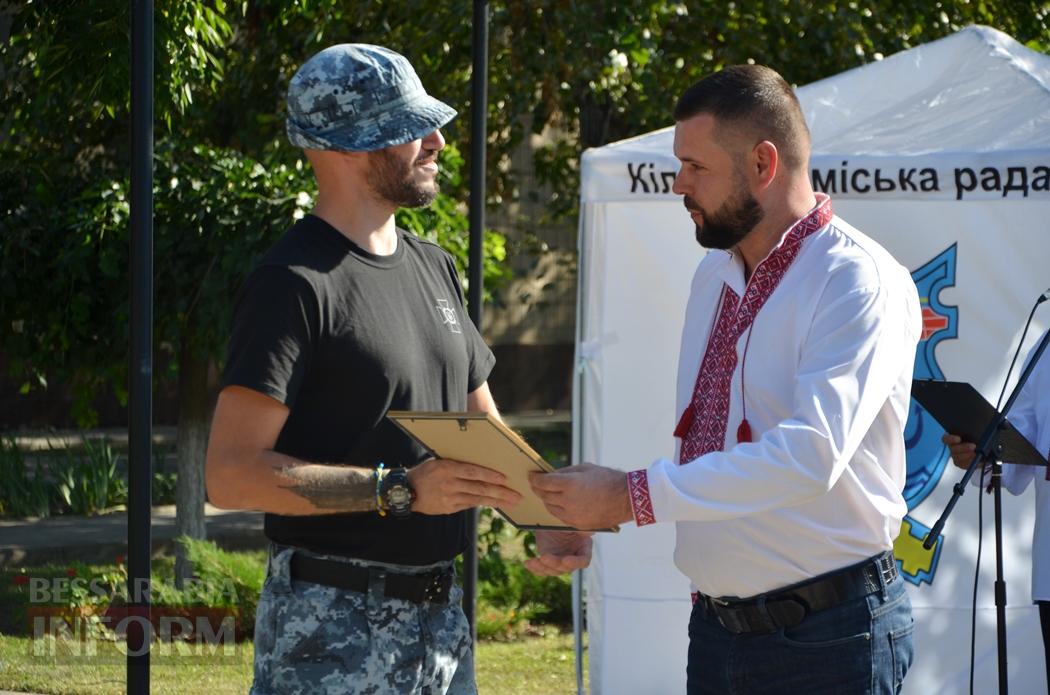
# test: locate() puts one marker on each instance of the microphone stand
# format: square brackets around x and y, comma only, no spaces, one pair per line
[983,454]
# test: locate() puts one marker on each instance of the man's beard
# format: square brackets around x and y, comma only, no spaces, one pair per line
[729,224]
[391,180]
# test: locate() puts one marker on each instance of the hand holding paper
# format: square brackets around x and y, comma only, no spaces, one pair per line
[962,452]
[462,439]
[443,486]
[585,496]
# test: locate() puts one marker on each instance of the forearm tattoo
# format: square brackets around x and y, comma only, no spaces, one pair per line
[338,488]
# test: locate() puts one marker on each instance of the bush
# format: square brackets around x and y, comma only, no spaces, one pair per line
[89,483]
[163,491]
[77,587]
[223,580]
[85,480]
[511,600]
[21,494]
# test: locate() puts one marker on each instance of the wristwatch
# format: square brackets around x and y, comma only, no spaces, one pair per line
[396,492]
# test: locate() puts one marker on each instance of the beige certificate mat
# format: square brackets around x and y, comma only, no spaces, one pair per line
[483,440]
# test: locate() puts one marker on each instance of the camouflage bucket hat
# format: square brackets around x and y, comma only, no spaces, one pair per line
[355,97]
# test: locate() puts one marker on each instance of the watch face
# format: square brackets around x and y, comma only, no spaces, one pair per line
[397,493]
[399,496]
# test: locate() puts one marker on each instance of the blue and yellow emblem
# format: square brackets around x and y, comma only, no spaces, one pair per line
[927,456]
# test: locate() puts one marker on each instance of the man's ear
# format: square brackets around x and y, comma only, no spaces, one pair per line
[763,163]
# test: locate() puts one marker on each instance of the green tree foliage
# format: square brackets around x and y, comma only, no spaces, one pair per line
[601,72]
[63,180]
[227,183]
[225,187]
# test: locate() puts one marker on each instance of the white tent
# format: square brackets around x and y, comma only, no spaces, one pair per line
[941,153]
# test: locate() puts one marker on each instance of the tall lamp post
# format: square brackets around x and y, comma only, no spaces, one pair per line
[140,377]
[478,135]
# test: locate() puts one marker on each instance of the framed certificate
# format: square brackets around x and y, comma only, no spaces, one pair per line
[481,439]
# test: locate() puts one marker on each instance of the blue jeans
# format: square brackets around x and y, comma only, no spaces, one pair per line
[860,646]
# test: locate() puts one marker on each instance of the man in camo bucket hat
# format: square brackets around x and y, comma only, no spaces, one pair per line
[345,318]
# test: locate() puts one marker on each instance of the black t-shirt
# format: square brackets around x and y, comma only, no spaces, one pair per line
[341,336]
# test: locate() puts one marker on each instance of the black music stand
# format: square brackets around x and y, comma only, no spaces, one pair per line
[961,410]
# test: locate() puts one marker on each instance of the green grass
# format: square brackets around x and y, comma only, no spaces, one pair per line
[537,665]
[64,673]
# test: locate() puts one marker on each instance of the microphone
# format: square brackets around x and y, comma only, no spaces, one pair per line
[1042,298]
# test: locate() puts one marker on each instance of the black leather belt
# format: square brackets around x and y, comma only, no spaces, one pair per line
[788,606]
[432,587]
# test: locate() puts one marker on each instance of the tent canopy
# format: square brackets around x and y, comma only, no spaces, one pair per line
[974,99]
[977,90]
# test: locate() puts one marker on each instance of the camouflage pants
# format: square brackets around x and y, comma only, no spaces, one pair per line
[319,640]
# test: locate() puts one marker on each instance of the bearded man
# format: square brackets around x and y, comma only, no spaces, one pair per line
[345,318]
[794,383]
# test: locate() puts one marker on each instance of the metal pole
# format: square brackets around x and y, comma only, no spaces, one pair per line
[140,405]
[1000,583]
[578,421]
[577,627]
[478,135]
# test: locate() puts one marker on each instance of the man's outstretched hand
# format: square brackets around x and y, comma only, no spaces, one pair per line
[560,552]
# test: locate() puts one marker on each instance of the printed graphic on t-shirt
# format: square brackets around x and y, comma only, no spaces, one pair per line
[448,316]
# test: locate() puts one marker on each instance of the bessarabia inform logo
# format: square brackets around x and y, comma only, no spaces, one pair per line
[102,617]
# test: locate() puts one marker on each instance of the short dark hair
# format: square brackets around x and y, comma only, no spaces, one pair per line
[755,101]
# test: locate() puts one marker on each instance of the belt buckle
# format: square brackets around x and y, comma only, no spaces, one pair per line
[885,571]
[731,620]
[762,616]
[889,569]
[438,587]
[727,614]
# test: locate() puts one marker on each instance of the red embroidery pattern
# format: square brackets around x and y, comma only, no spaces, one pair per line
[703,424]
[641,504]
[711,392]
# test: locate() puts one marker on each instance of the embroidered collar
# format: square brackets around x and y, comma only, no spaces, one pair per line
[820,214]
